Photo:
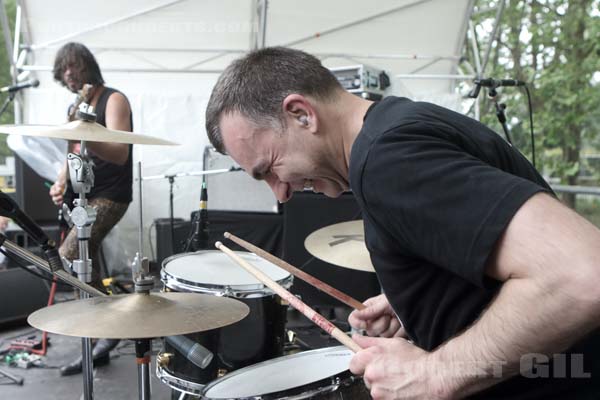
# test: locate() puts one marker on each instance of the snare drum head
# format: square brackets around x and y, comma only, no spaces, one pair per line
[214,268]
[280,374]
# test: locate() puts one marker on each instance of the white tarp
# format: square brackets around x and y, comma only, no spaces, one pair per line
[165,55]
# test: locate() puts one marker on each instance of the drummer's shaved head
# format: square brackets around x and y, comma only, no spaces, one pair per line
[77,55]
[256,85]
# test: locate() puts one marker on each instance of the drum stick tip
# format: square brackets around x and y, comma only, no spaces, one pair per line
[218,245]
[227,235]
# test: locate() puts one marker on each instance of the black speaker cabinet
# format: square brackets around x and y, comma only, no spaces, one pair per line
[32,194]
[167,245]
[305,213]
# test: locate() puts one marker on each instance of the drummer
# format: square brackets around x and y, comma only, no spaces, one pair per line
[490,274]
[111,193]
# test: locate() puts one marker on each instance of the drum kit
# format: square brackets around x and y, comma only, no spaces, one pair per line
[223,328]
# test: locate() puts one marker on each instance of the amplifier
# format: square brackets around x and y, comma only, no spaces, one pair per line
[362,80]
[235,191]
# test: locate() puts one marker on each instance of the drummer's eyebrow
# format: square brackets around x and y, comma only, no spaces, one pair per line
[260,170]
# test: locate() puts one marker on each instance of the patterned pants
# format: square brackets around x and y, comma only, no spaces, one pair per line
[108,213]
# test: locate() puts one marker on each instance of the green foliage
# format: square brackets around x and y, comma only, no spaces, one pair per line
[555,46]
[6,79]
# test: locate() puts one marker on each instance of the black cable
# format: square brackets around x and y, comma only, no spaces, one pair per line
[23,266]
[531,125]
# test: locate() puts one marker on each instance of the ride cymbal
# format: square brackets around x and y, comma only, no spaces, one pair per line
[341,244]
[139,316]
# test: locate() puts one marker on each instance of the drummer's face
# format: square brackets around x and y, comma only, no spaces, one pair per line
[285,160]
[72,77]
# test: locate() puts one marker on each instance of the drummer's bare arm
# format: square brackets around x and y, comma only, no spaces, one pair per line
[117,117]
[547,260]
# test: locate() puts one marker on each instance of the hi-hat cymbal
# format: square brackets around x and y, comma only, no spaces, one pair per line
[139,316]
[82,130]
[341,244]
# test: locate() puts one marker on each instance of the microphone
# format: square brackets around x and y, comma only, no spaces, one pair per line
[202,234]
[193,351]
[491,82]
[20,86]
[10,209]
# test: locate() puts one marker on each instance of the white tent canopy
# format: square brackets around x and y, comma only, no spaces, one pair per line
[166,55]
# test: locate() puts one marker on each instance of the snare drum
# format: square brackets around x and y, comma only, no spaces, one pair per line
[316,374]
[258,337]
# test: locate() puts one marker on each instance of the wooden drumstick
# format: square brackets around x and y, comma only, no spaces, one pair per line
[293,300]
[322,286]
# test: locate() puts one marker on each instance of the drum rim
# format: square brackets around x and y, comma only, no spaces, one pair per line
[177,383]
[331,382]
[178,283]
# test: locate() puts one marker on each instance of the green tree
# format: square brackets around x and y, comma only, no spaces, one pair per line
[555,46]
[6,79]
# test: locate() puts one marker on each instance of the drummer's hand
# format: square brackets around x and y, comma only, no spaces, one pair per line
[378,319]
[57,191]
[394,369]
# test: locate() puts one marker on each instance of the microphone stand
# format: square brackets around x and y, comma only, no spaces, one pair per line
[500,112]
[9,99]
[493,95]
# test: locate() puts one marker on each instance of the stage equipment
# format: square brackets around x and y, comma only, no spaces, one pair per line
[295,302]
[298,273]
[82,216]
[12,92]
[84,130]
[236,192]
[341,244]
[362,80]
[139,315]
[316,374]
[305,213]
[258,337]
[171,177]
[20,86]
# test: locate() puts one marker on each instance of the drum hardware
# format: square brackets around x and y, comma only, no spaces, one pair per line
[344,298]
[258,337]
[341,244]
[83,216]
[294,301]
[163,359]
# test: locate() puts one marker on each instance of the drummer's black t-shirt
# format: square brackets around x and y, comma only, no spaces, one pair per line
[437,189]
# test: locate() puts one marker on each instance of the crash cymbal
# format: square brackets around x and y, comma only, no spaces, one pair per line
[341,244]
[82,130]
[138,316]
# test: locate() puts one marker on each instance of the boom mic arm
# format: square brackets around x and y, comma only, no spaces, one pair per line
[492,84]
[10,209]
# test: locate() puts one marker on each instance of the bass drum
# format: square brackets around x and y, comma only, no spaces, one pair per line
[258,337]
[316,374]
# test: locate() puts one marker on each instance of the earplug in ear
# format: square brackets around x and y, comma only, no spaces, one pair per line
[303,120]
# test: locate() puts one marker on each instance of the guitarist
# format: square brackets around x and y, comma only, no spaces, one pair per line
[74,67]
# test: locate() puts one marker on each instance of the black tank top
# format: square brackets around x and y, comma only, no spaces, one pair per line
[111,181]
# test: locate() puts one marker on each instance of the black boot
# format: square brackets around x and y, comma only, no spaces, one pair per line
[100,354]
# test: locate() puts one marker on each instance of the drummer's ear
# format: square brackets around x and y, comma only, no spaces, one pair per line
[300,113]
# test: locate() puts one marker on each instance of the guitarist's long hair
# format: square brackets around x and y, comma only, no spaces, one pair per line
[79,56]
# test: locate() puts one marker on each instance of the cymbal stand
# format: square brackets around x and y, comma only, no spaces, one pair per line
[83,216]
[140,270]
